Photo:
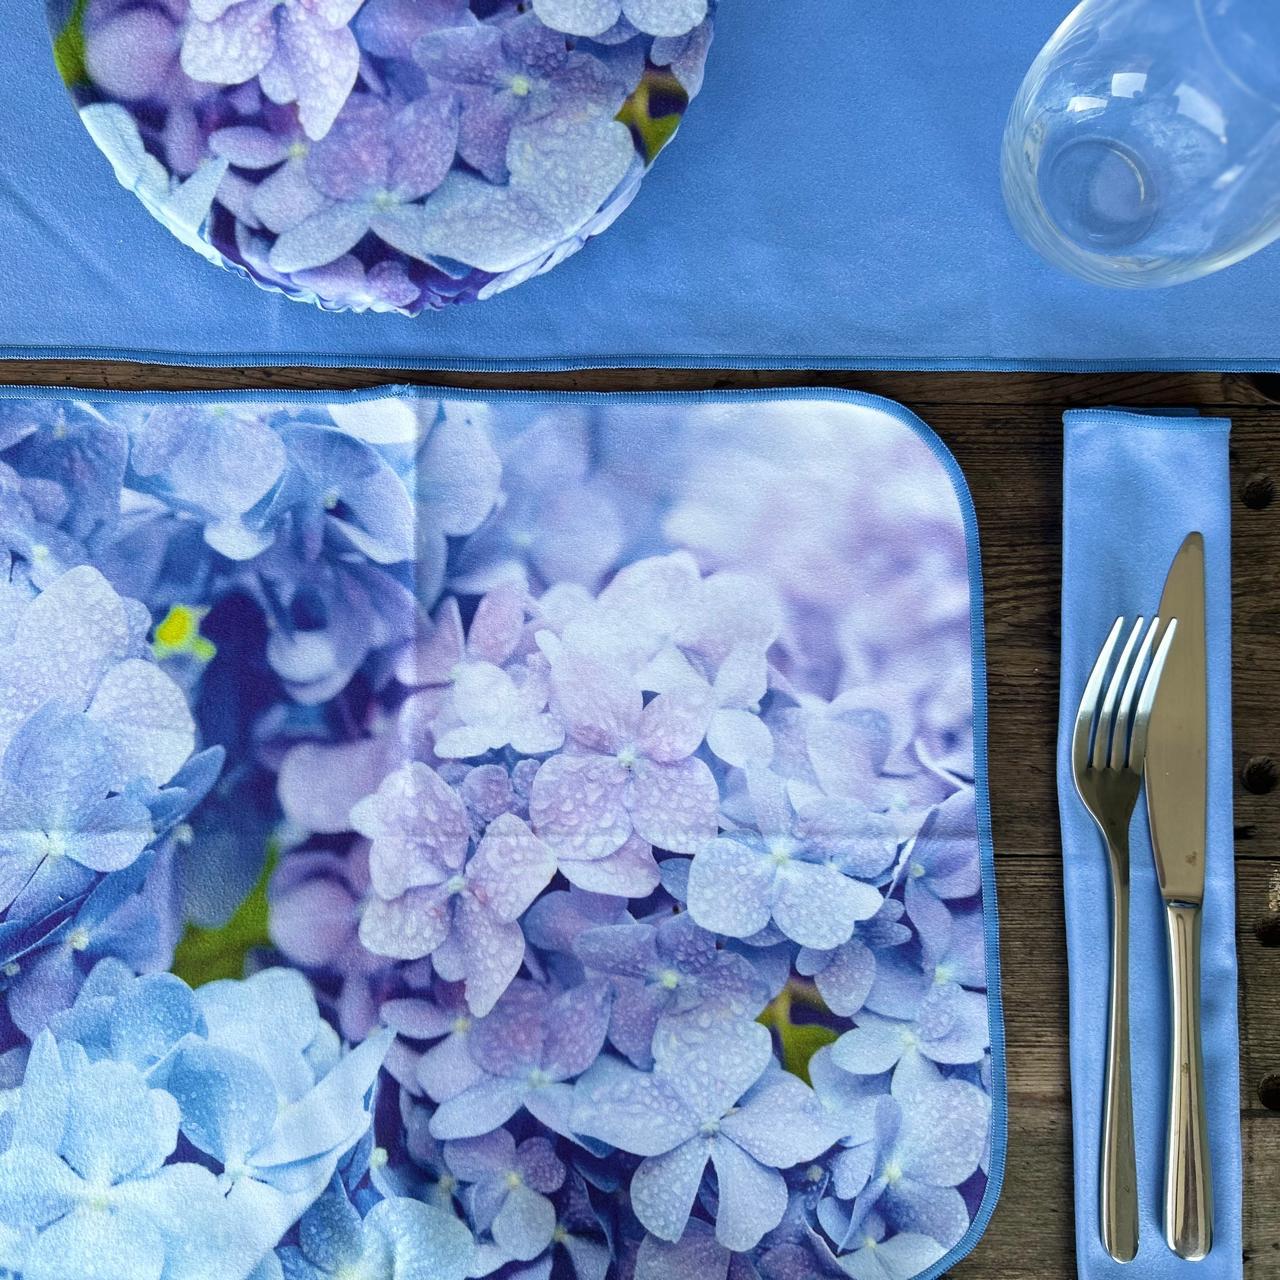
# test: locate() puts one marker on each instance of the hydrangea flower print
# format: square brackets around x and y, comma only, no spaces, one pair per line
[439,838]
[383,155]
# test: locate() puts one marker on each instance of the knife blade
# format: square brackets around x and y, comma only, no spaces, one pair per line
[1176,775]
[1178,737]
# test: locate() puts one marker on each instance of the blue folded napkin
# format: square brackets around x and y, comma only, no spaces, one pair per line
[1134,485]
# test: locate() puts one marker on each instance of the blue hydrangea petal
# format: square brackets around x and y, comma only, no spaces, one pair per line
[698,1255]
[901,1257]
[818,906]
[626,949]
[664,1187]
[665,17]
[96,1246]
[899,987]
[330,1232]
[711,1063]
[731,888]
[851,1170]
[485,1106]
[632,1110]
[471,1159]
[782,1124]
[752,1198]
[675,806]
[36,1187]
[874,1046]
[228,1102]
[525,1224]
[40,1114]
[117,1127]
[944,1133]
[954,1025]
[146,720]
[937,1212]
[426,1242]
[945,850]
[590,1259]
[578,804]
[332,1116]
[846,977]
[579,17]
[539,1165]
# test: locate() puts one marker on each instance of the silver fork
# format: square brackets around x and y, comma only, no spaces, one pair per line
[1108,748]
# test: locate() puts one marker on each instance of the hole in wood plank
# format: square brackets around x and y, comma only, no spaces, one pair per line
[1269,1092]
[1266,385]
[1260,775]
[1258,492]
[1267,930]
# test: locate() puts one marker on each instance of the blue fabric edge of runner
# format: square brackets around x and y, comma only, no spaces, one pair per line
[444,364]
[977,644]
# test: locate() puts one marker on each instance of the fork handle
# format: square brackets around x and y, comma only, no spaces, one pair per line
[1188,1188]
[1118,1174]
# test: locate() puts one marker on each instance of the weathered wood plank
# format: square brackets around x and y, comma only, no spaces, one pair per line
[1031,1235]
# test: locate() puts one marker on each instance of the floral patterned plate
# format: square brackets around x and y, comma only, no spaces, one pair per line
[536,837]
[386,155]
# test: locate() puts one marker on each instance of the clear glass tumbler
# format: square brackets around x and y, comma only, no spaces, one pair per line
[1143,148]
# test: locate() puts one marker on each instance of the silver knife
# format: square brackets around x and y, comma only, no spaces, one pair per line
[1177,791]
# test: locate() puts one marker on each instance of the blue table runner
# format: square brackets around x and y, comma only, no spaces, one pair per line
[832,200]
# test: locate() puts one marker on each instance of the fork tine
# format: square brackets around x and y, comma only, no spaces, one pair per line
[1147,699]
[1107,708]
[1128,700]
[1080,738]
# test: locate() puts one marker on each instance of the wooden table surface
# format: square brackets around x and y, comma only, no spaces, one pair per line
[1005,430]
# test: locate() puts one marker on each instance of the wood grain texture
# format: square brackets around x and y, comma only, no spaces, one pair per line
[1005,430]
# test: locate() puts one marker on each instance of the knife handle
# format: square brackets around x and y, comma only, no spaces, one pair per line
[1118,1180]
[1188,1189]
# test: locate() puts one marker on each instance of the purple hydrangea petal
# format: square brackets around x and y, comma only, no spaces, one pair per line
[577,1023]
[324,62]
[579,17]
[323,238]
[578,804]
[675,806]
[599,706]
[408,927]
[510,868]
[232,48]
[698,1255]
[418,826]
[672,727]
[494,951]
[628,872]
[664,1187]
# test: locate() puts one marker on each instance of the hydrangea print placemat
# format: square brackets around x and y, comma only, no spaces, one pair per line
[534,836]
